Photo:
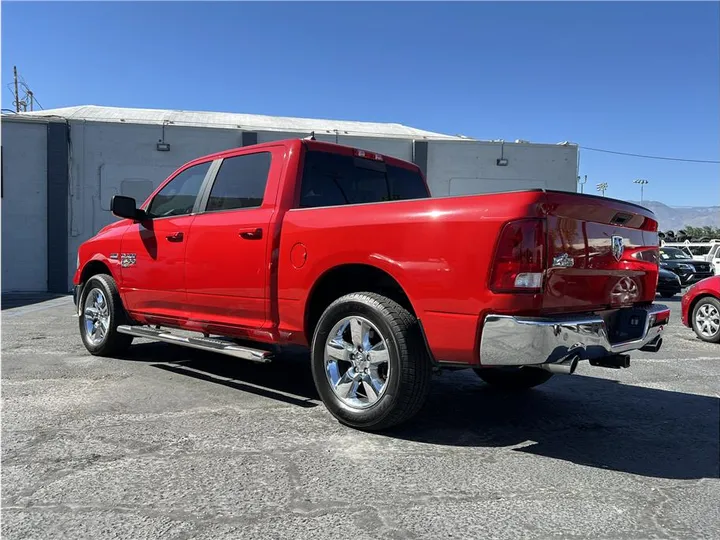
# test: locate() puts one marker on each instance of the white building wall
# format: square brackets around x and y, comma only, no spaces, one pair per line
[24,206]
[470,167]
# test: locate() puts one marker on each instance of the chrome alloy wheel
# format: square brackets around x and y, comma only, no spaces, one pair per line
[357,362]
[707,320]
[97,316]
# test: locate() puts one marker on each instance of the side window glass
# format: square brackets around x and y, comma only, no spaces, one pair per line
[177,198]
[240,182]
[333,179]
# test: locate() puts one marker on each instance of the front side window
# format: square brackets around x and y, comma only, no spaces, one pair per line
[178,196]
[240,182]
[334,179]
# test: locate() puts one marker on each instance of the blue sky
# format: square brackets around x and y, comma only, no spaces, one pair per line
[633,77]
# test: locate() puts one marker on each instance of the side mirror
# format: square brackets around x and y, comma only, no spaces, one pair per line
[125,207]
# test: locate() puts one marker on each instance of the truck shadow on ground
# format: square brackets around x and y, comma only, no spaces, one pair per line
[287,379]
[584,420]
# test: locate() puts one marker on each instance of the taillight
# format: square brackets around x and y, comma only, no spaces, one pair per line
[519,258]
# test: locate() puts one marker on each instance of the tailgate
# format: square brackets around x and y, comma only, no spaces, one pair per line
[601,253]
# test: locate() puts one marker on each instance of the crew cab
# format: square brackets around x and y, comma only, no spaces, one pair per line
[343,251]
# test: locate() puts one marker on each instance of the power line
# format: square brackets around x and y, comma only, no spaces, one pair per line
[650,157]
[37,102]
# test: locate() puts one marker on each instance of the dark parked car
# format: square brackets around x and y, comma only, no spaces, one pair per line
[668,283]
[688,269]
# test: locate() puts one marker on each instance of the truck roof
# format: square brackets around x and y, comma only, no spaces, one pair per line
[311,144]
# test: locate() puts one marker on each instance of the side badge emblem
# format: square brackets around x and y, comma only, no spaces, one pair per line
[127,259]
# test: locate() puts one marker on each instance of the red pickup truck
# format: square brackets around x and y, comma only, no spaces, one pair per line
[343,251]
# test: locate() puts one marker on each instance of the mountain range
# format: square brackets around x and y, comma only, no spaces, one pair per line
[675,218]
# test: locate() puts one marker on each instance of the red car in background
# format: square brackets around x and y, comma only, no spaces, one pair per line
[701,309]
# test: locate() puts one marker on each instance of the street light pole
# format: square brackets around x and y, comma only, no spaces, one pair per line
[642,186]
[601,187]
[582,183]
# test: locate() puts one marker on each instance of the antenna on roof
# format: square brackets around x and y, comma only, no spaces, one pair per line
[311,137]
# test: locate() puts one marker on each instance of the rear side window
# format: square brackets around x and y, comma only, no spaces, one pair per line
[333,179]
[240,182]
[178,196]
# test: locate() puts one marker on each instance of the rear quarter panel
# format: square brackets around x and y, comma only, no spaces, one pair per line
[438,250]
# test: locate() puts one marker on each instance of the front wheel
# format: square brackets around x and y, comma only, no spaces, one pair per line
[513,378]
[706,320]
[101,312]
[369,362]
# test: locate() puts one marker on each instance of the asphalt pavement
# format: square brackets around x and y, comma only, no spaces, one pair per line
[176,444]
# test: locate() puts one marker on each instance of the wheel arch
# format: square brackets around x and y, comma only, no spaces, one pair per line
[345,279]
[695,302]
[94,267]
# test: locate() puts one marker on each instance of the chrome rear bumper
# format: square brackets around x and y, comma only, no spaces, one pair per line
[562,339]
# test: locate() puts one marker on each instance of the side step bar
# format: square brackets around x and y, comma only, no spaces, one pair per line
[205,344]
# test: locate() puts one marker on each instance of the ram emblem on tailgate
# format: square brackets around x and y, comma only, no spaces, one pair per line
[617,247]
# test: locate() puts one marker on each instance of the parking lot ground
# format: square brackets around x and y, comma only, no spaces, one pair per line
[169,443]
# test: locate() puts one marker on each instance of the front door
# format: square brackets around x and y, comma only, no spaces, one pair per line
[153,252]
[228,251]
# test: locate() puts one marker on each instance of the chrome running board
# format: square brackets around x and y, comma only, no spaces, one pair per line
[221,346]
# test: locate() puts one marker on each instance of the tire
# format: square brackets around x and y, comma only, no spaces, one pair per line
[514,379]
[376,388]
[100,290]
[706,319]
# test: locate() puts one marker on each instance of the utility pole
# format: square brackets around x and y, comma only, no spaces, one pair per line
[642,186]
[602,187]
[17,95]
[582,184]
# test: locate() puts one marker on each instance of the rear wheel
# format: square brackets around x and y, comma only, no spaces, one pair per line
[706,320]
[101,312]
[369,362]
[513,378]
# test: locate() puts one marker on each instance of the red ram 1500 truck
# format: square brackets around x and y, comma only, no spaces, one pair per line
[306,243]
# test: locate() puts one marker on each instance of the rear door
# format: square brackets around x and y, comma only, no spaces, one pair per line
[602,253]
[153,252]
[228,255]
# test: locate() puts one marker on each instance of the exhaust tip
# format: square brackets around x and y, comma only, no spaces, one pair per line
[573,365]
[653,346]
[566,367]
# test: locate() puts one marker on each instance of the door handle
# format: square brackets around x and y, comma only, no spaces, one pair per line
[175,237]
[251,233]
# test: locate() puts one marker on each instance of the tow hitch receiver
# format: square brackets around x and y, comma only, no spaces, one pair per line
[614,361]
